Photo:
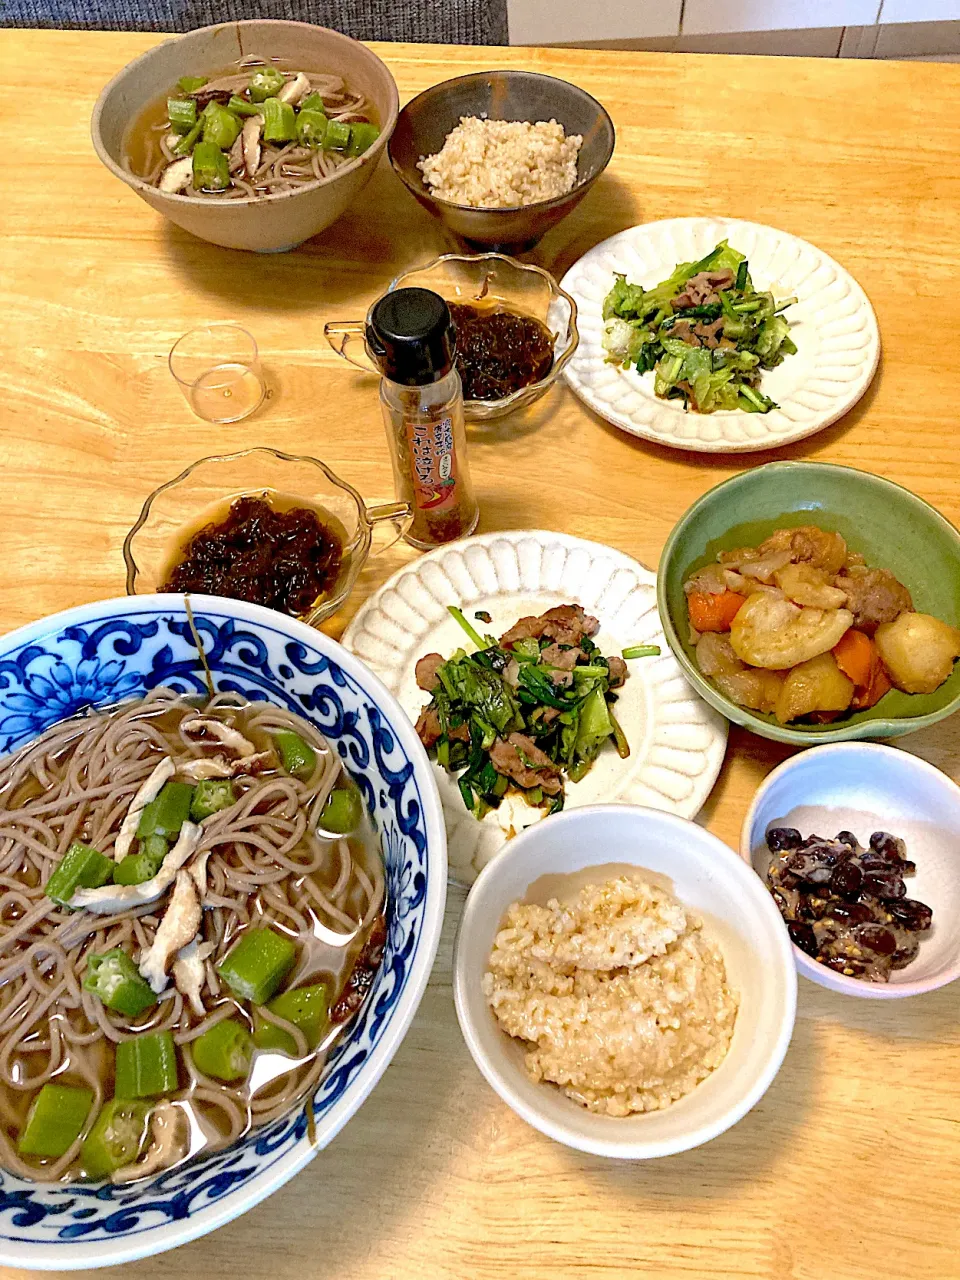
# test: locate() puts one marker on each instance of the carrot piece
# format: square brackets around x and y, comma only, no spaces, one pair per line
[857,657]
[863,699]
[713,613]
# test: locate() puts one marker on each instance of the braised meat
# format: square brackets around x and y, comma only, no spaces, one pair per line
[874,596]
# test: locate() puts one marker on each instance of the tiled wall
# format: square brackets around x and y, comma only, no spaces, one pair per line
[813,28]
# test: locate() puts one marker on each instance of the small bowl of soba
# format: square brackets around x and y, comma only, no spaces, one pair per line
[223,882]
[253,135]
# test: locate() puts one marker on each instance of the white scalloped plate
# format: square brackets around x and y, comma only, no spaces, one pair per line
[833,325]
[677,741]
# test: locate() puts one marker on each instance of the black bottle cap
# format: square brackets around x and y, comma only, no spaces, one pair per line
[410,336]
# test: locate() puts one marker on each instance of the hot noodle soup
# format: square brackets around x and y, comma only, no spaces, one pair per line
[254,129]
[191,900]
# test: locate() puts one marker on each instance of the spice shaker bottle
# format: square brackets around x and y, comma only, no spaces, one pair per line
[410,337]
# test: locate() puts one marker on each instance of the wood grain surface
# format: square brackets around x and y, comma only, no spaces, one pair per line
[849,1169]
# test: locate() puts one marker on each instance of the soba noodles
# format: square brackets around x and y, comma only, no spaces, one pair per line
[268,860]
[254,130]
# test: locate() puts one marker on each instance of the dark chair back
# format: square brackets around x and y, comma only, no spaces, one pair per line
[427,21]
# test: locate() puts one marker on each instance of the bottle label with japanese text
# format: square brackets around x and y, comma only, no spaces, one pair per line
[433,464]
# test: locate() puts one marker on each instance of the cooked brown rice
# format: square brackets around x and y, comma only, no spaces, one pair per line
[497,164]
[621,999]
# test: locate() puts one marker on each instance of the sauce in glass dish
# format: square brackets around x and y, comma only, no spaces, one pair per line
[499,350]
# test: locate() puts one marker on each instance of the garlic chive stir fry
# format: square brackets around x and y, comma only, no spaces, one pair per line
[254,131]
[705,331]
[522,714]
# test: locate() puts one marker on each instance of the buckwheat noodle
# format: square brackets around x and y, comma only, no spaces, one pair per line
[282,168]
[265,864]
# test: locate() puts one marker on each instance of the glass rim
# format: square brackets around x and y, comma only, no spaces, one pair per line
[206,328]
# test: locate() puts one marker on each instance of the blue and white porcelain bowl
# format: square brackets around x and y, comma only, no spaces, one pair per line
[102,653]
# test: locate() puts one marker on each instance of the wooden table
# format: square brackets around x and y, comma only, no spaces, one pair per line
[850,1167]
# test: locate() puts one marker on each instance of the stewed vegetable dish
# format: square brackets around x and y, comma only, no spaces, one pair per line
[802,628]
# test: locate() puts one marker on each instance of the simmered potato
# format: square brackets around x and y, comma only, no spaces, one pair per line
[816,685]
[805,585]
[918,651]
[752,687]
[774,633]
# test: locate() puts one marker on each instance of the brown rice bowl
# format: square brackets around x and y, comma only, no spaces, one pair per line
[709,880]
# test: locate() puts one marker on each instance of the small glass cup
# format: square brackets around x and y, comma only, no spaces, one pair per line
[205,490]
[217,367]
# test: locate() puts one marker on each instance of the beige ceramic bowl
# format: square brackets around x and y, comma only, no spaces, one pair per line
[274,223]
[707,877]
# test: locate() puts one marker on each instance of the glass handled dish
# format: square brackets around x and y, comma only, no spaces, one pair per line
[252,525]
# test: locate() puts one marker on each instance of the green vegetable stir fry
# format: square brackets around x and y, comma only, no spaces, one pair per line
[706,332]
[524,713]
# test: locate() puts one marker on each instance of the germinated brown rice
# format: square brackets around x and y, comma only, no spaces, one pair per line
[497,164]
[621,999]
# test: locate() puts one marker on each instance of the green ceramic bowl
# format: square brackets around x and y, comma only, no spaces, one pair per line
[891,527]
